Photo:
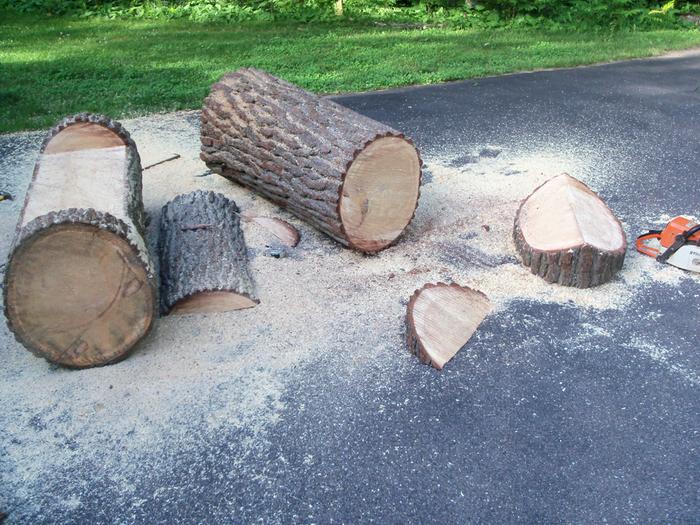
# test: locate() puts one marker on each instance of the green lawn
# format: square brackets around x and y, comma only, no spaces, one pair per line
[53,67]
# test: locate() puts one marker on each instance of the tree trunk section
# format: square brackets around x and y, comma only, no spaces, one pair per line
[203,256]
[80,288]
[347,175]
[441,318]
[567,235]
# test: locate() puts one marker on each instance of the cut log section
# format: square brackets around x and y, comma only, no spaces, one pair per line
[203,258]
[441,318]
[566,234]
[347,175]
[80,288]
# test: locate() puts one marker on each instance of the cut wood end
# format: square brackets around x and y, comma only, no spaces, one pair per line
[213,301]
[565,213]
[441,318]
[282,230]
[76,296]
[380,193]
[83,136]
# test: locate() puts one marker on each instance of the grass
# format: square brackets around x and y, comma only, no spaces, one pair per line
[51,67]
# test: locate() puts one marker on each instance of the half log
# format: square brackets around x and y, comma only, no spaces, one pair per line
[203,258]
[80,289]
[441,318]
[347,175]
[566,234]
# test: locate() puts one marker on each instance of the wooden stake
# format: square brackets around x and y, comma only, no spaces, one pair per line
[441,318]
[80,288]
[351,177]
[566,234]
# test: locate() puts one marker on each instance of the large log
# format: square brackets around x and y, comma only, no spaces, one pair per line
[566,234]
[349,176]
[441,318]
[203,258]
[80,288]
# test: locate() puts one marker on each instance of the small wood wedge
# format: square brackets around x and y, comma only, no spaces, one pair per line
[282,230]
[566,234]
[441,318]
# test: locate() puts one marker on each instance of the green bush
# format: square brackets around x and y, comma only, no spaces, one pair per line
[484,13]
[601,13]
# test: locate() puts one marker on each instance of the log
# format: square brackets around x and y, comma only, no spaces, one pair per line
[441,318]
[80,287]
[203,256]
[347,175]
[566,234]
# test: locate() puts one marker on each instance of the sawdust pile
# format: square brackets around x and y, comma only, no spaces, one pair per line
[200,373]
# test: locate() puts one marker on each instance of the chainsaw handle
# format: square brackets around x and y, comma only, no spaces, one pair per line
[681,239]
[648,250]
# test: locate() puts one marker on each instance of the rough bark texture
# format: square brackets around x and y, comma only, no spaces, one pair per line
[202,249]
[289,145]
[582,266]
[128,226]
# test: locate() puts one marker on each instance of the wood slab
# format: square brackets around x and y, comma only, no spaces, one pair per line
[441,318]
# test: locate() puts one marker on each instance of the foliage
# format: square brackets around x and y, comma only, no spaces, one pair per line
[639,14]
[643,14]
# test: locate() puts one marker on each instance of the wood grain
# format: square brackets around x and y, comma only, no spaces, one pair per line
[441,318]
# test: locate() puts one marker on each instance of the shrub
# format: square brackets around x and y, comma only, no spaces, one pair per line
[599,13]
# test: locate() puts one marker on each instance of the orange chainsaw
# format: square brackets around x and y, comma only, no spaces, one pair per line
[677,244]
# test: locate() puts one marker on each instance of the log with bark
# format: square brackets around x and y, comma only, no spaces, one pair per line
[347,175]
[566,234]
[441,318]
[203,256]
[80,288]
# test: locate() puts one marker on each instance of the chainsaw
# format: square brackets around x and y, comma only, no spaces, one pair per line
[677,244]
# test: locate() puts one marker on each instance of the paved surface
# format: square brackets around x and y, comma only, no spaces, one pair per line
[554,413]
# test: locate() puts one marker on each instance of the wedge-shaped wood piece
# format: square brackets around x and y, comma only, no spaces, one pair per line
[349,176]
[80,288]
[566,234]
[203,256]
[281,230]
[441,318]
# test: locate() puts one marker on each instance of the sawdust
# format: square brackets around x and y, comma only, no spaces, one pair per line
[664,357]
[199,374]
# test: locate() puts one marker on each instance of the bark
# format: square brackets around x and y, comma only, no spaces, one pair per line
[202,249]
[43,215]
[289,145]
